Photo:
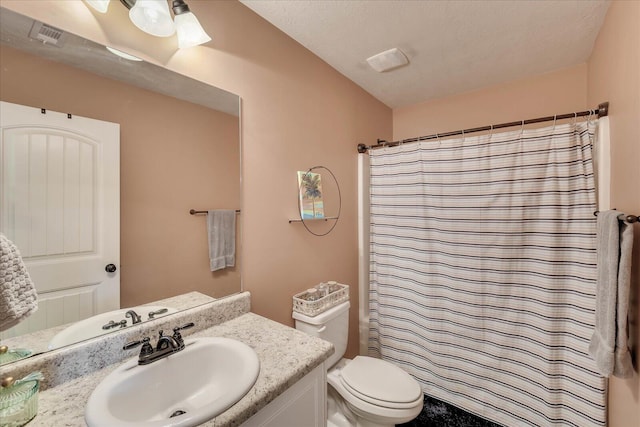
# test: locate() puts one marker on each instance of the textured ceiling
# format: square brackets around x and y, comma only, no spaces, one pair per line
[452,46]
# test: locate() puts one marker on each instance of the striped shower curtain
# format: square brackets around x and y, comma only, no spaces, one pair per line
[482,272]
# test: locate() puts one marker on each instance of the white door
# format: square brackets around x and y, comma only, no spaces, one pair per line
[60,204]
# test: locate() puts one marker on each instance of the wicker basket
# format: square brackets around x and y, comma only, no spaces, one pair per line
[337,293]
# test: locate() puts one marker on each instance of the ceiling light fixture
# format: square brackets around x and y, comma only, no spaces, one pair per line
[190,32]
[99,5]
[388,60]
[153,17]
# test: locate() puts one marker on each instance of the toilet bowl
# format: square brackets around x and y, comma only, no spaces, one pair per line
[365,391]
[377,392]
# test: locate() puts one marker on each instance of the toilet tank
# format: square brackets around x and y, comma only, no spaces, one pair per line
[331,325]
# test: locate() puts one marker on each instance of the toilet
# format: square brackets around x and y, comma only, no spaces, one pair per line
[363,392]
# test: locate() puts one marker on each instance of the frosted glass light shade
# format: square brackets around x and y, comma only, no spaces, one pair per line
[122,54]
[190,32]
[99,5]
[152,17]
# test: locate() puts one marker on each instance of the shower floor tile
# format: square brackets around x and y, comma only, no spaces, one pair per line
[436,413]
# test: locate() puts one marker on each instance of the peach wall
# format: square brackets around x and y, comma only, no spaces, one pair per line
[559,92]
[297,112]
[165,170]
[614,75]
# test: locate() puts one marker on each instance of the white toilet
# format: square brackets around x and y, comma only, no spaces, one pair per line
[363,392]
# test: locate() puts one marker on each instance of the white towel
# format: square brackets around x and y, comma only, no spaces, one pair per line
[221,231]
[609,345]
[18,297]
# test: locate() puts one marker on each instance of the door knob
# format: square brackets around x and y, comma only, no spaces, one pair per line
[110,268]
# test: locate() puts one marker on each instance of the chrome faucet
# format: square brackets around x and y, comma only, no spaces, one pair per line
[166,342]
[135,317]
[165,346]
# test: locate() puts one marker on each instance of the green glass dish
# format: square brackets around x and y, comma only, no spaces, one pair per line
[19,403]
[13,355]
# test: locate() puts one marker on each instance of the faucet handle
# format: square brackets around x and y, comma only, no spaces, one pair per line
[131,344]
[152,314]
[147,348]
[186,326]
[145,345]
[112,324]
[178,336]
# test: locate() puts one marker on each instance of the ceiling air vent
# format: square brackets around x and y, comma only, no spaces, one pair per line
[388,60]
[47,34]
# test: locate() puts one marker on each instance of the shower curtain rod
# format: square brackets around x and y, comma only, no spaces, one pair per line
[601,111]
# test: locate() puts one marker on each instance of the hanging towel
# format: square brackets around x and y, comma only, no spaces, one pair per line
[18,297]
[221,231]
[609,343]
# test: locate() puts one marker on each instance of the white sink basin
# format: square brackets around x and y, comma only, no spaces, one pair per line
[203,380]
[92,326]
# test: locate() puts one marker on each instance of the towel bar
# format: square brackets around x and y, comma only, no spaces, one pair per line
[195,212]
[629,218]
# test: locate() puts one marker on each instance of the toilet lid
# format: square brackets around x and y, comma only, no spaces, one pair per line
[380,382]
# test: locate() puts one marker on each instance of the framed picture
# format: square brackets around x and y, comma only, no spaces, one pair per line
[310,186]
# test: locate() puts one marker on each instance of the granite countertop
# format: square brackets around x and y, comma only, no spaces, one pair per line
[38,341]
[286,355]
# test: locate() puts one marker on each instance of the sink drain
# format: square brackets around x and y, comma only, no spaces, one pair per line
[177,413]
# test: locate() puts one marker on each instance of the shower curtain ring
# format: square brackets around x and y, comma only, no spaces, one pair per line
[591,136]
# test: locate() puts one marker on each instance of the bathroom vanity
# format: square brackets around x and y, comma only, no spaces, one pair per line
[290,388]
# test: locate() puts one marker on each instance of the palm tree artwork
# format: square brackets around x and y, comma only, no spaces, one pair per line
[311,205]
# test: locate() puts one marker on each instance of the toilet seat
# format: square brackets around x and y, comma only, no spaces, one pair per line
[379,411]
[380,383]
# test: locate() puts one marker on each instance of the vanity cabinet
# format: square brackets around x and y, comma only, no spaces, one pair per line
[302,405]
